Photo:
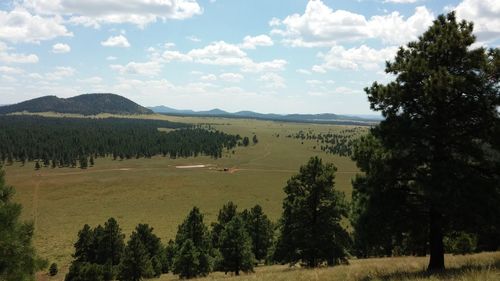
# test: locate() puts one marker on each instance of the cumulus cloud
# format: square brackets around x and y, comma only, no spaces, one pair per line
[19,25]
[208,77]
[96,12]
[224,54]
[116,41]
[231,77]
[272,80]
[9,57]
[355,58]
[151,68]
[10,70]
[320,25]
[400,1]
[60,48]
[250,42]
[486,17]
[91,80]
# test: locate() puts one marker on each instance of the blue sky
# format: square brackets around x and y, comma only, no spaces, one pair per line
[263,55]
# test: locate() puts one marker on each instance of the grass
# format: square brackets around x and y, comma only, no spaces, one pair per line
[60,201]
[477,267]
[154,191]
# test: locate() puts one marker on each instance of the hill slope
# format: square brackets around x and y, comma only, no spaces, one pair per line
[88,104]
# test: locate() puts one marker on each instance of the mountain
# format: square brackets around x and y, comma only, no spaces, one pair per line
[88,104]
[310,118]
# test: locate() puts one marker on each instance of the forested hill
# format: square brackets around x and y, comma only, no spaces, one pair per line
[88,104]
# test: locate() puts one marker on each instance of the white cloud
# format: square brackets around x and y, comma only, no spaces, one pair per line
[116,41]
[138,12]
[320,25]
[335,91]
[208,77]
[231,77]
[175,55]
[486,17]
[193,38]
[273,80]
[151,68]
[303,71]
[362,57]
[250,42]
[111,58]
[11,70]
[60,48]
[60,72]
[19,25]
[7,57]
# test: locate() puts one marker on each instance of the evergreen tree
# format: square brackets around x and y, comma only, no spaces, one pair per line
[246,141]
[136,262]
[153,246]
[236,247]
[226,214]
[85,247]
[194,229]
[254,139]
[37,165]
[109,243]
[312,211]
[18,261]
[435,150]
[260,229]
[187,261]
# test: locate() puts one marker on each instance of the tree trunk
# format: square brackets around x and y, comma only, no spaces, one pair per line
[436,262]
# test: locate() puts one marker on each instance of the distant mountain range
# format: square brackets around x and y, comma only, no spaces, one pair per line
[88,104]
[92,104]
[310,118]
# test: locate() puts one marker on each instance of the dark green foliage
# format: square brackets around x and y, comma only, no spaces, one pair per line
[68,140]
[187,260]
[312,211]
[430,167]
[53,270]
[18,261]
[226,214]
[98,249]
[37,165]
[83,271]
[136,262]
[246,141]
[460,243]
[260,230]
[89,104]
[153,248]
[236,247]
[254,139]
[193,229]
[339,143]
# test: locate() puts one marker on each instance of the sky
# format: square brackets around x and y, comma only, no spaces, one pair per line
[269,56]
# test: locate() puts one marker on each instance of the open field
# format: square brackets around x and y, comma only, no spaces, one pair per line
[156,191]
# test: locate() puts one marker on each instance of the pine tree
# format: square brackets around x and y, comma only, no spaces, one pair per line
[260,229]
[109,241]
[136,262]
[435,150]
[17,254]
[84,245]
[194,229]
[254,139]
[226,214]
[187,260]
[153,246]
[312,211]
[236,247]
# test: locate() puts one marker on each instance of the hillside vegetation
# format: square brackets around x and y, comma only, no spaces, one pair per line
[88,104]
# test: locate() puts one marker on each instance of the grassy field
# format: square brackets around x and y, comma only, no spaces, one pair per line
[60,201]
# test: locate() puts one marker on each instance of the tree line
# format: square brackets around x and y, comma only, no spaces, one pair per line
[339,143]
[71,142]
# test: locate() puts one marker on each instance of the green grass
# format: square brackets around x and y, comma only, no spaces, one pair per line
[60,201]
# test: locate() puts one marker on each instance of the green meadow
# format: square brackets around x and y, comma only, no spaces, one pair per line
[161,191]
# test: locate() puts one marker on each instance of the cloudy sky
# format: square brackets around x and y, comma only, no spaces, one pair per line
[281,56]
